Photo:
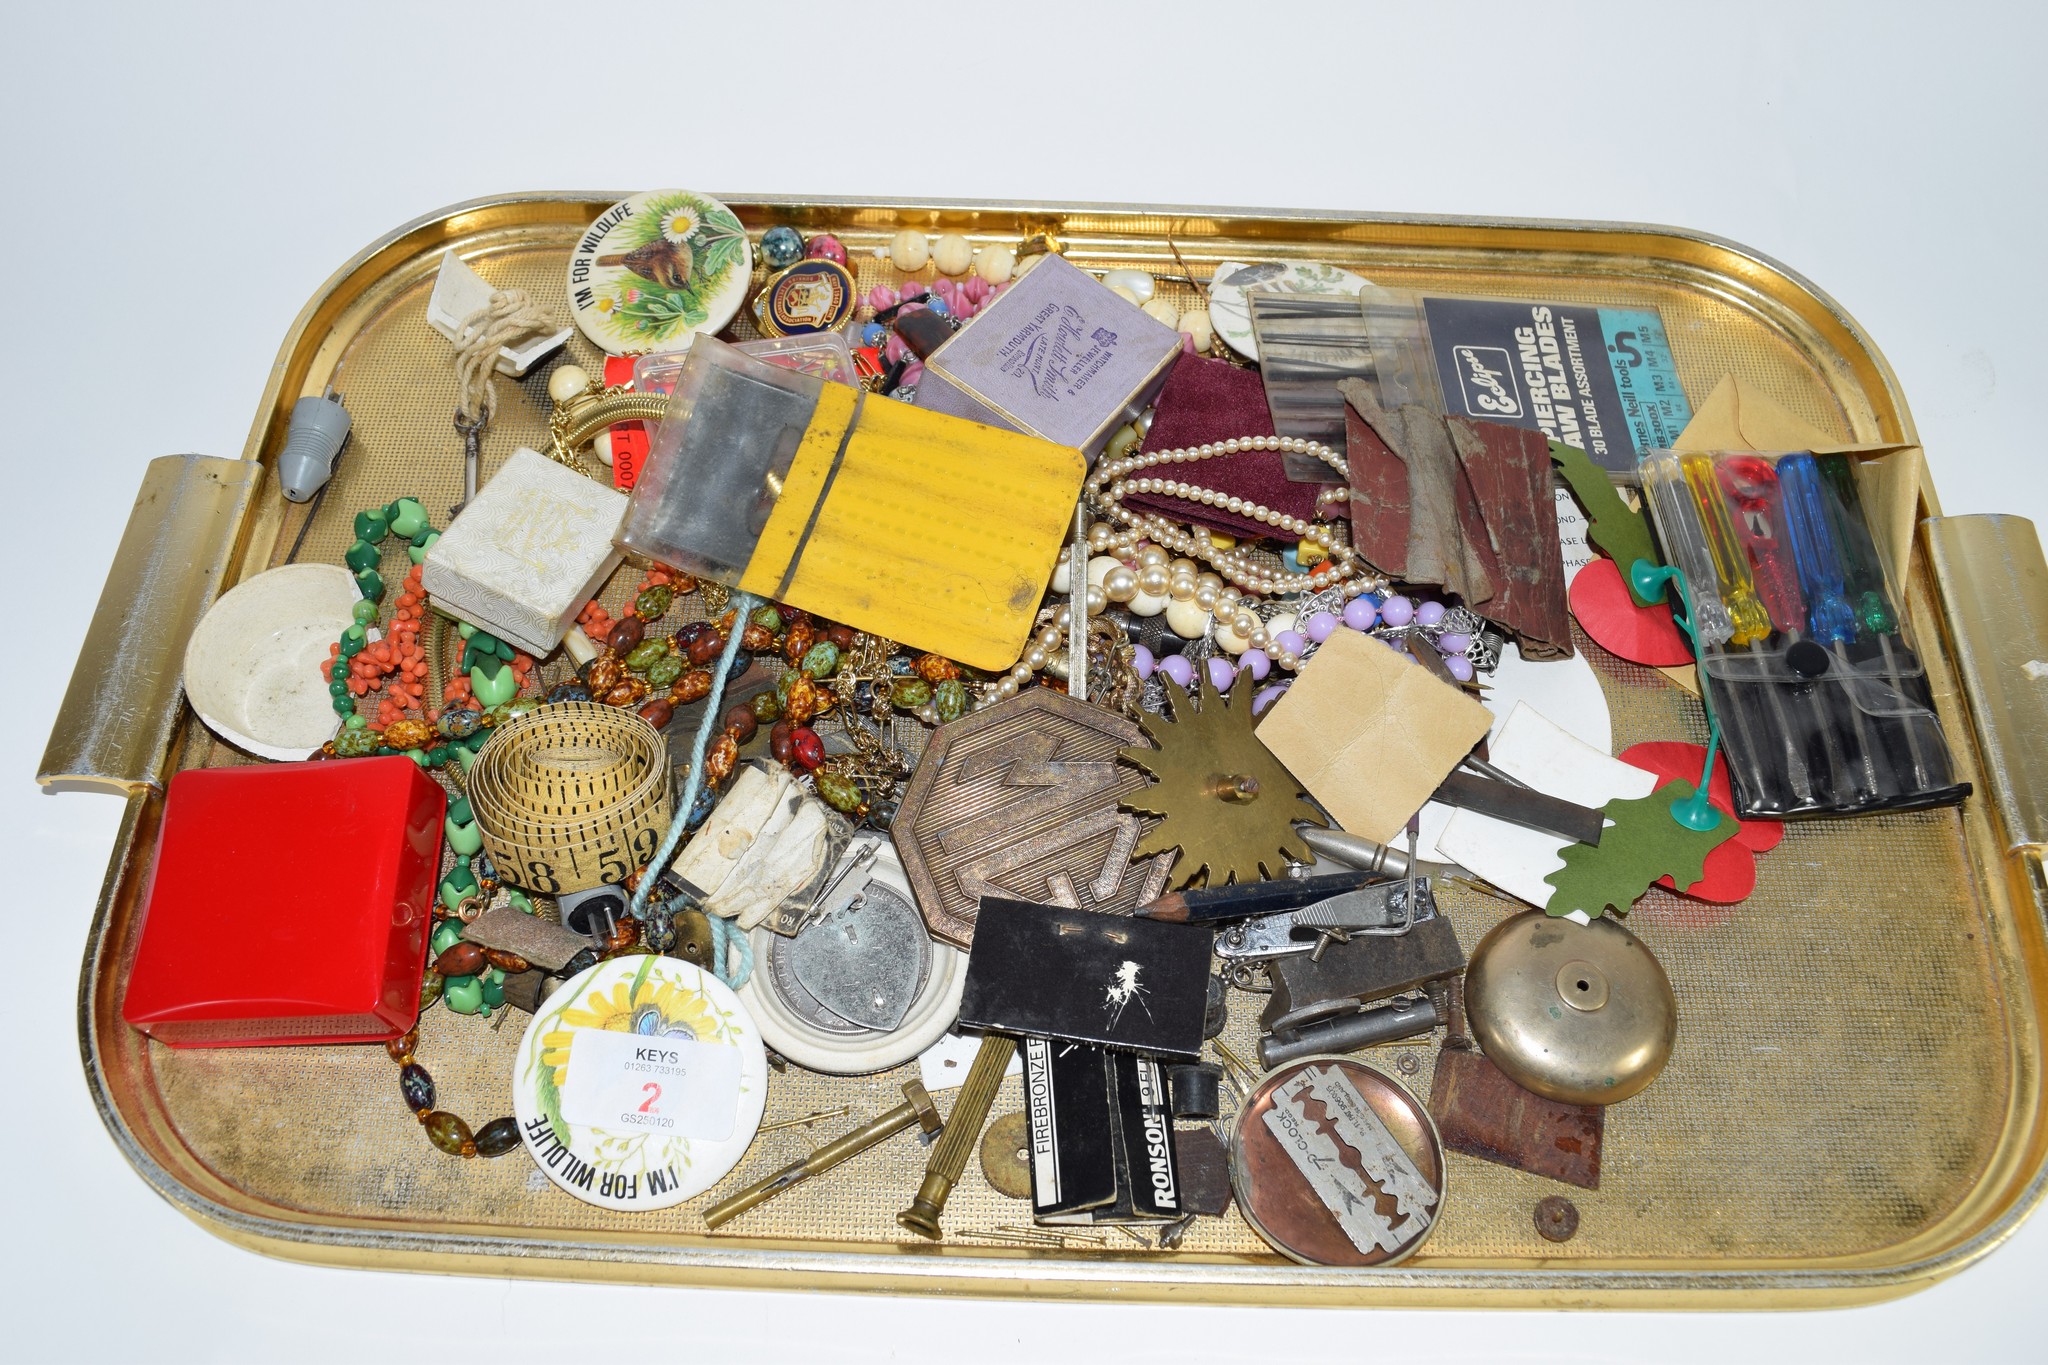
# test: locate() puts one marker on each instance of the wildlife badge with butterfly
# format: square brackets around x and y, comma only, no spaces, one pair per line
[656,268]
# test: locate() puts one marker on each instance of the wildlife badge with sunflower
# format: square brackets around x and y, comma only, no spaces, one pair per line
[671,1005]
[656,268]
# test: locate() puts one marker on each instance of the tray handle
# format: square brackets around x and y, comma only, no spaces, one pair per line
[122,710]
[1993,585]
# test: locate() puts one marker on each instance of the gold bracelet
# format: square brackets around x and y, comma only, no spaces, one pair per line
[578,421]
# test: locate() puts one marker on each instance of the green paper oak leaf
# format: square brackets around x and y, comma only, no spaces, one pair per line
[1643,844]
[1618,529]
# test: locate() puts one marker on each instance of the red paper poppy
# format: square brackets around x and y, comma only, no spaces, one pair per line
[1731,868]
[1606,612]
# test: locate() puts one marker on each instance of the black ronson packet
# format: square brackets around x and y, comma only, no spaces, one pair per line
[1101,1135]
[1044,971]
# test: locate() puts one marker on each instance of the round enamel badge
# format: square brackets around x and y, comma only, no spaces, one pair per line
[810,296]
[657,268]
[640,1083]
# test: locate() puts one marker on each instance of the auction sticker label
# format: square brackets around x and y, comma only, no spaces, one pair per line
[673,1085]
[640,1083]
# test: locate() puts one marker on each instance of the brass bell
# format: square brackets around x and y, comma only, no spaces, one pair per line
[1581,1013]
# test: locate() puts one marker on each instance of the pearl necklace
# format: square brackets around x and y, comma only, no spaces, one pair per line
[1108,485]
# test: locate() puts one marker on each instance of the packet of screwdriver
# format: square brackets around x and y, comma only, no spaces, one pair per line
[1824,706]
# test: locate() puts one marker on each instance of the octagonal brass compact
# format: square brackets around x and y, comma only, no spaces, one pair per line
[1020,800]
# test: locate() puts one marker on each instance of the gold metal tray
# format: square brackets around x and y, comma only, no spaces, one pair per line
[1854,1109]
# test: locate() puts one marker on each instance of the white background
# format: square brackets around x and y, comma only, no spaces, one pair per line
[178,183]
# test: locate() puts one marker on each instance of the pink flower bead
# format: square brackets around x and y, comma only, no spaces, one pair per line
[912,372]
[882,296]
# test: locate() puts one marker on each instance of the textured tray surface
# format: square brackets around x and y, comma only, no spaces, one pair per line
[1843,1073]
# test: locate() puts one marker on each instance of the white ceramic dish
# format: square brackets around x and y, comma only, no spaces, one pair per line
[254,666]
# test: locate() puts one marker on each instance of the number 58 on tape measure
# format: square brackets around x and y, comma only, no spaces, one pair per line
[571,796]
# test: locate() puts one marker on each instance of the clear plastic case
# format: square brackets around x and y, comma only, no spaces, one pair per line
[853,506]
[718,461]
[824,354]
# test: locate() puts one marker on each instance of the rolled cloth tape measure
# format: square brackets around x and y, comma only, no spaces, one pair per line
[533,813]
[571,796]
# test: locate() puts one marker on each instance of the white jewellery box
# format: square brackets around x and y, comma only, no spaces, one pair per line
[527,553]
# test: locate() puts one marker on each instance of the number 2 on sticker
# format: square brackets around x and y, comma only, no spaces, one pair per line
[647,1105]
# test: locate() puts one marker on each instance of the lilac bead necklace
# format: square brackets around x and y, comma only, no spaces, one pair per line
[1451,631]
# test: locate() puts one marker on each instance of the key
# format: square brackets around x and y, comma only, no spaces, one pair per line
[472,454]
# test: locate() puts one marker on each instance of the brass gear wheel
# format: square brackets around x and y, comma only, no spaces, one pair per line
[1223,799]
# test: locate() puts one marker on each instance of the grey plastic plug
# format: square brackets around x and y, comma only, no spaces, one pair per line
[318,428]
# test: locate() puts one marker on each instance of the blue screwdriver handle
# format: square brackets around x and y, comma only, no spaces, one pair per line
[1829,618]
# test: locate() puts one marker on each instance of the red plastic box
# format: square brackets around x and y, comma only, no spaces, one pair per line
[290,903]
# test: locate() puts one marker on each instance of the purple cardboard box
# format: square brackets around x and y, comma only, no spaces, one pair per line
[1056,355]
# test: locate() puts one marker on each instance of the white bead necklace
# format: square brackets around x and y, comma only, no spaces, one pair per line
[1109,484]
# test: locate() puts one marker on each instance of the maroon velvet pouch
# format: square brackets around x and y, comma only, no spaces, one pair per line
[1205,401]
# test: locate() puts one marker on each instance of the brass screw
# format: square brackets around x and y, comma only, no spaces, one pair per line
[1240,1072]
[1235,788]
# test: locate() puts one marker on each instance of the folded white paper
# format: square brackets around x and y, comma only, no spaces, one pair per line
[1531,748]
